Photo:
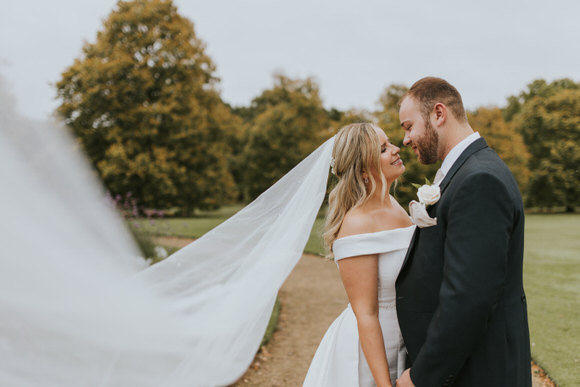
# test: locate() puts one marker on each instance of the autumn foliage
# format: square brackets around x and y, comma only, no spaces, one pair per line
[548,117]
[144,103]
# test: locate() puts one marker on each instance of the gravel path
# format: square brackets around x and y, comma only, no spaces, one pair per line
[312,297]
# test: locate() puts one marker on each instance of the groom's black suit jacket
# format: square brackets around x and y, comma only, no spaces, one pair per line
[460,297]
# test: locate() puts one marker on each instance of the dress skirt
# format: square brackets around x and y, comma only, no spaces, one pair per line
[339,360]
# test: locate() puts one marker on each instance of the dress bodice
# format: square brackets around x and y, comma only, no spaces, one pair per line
[339,360]
[390,245]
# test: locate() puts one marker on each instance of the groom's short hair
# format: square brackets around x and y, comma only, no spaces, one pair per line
[430,91]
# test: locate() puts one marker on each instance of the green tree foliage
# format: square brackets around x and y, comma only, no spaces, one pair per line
[284,125]
[142,101]
[549,121]
[388,120]
[233,128]
[537,89]
[504,139]
[339,119]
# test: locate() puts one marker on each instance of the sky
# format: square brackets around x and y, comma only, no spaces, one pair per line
[488,49]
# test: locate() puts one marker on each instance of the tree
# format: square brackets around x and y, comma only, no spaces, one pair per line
[550,126]
[546,116]
[234,128]
[538,88]
[339,119]
[284,125]
[504,139]
[388,120]
[143,103]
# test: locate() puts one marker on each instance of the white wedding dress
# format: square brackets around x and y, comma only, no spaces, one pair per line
[339,360]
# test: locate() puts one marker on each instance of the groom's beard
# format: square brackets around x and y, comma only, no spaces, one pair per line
[427,145]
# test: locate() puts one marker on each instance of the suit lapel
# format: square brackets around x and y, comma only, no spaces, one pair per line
[410,250]
[474,147]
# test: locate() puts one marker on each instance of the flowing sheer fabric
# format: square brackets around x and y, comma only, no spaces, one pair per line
[78,309]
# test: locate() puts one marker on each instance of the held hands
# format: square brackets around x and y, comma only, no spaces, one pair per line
[405,379]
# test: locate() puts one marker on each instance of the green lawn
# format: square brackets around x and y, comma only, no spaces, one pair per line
[205,221]
[188,227]
[314,244]
[552,283]
[551,278]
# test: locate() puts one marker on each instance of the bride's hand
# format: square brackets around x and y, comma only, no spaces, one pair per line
[405,379]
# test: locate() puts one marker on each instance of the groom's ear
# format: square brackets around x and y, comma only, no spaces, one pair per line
[439,114]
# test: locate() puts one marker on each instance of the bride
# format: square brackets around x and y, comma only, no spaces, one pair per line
[368,234]
[78,309]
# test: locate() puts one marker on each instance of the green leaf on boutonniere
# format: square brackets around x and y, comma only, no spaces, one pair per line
[427,182]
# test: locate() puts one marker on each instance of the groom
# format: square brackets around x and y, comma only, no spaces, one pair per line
[460,297]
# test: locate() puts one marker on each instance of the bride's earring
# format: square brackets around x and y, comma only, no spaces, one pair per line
[366,180]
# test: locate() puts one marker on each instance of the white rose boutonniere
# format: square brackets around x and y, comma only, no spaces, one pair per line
[428,194]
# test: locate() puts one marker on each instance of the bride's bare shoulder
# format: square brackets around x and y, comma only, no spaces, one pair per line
[356,222]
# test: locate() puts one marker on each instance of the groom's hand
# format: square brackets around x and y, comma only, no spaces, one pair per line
[405,379]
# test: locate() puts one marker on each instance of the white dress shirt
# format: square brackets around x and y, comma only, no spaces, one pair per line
[454,154]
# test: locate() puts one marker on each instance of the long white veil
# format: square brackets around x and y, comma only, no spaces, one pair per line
[78,309]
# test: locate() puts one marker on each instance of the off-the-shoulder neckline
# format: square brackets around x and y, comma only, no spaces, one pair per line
[373,233]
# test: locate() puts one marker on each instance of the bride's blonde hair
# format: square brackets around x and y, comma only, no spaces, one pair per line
[357,149]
